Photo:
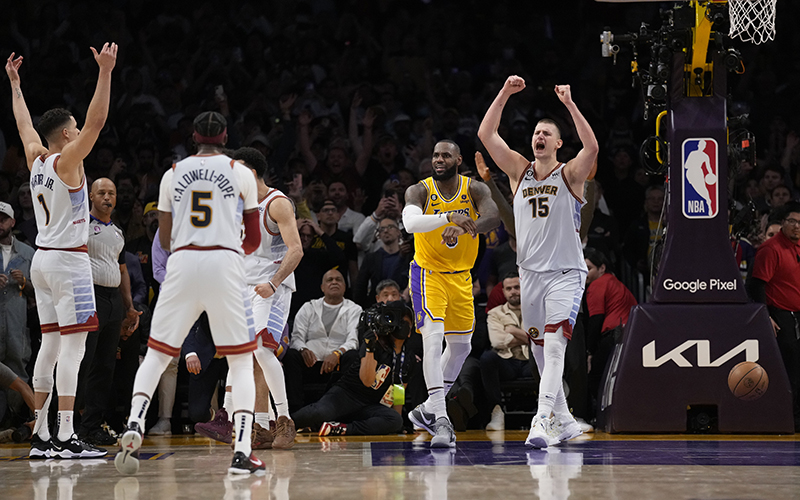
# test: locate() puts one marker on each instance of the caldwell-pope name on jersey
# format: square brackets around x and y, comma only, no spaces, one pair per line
[38,179]
[204,174]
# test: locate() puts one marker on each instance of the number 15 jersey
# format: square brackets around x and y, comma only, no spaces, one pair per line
[547,217]
[206,195]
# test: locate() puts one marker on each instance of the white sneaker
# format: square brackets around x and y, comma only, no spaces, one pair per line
[585,427]
[564,430]
[162,428]
[498,421]
[539,435]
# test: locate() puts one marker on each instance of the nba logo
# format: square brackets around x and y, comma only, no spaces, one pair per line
[700,178]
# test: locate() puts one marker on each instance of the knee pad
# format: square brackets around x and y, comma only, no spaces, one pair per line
[43,383]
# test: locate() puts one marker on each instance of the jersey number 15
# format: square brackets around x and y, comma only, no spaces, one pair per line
[539,207]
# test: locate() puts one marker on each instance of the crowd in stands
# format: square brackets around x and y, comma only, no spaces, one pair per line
[346,100]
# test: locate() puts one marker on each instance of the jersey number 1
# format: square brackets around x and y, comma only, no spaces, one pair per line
[539,207]
[46,210]
[201,214]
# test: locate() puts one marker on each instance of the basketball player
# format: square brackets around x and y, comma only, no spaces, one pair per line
[201,203]
[548,196]
[270,284]
[60,269]
[441,284]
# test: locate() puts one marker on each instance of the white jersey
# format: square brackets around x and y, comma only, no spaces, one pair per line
[62,211]
[262,264]
[206,195]
[547,217]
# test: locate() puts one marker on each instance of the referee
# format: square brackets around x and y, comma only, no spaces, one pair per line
[115,313]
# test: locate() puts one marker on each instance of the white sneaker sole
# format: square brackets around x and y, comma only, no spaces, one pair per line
[125,462]
[537,441]
[420,423]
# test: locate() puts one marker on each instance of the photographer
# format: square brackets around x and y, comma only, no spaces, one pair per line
[369,397]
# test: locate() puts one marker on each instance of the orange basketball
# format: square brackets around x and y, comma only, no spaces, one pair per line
[748,381]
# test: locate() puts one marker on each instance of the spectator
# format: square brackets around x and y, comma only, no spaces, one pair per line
[324,339]
[776,283]
[127,215]
[142,248]
[388,262]
[320,254]
[349,219]
[608,303]
[645,232]
[370,396]
[328,217]
[509,357]
[15,290]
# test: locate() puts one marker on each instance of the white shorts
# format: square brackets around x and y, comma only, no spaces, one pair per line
[270,317]
[64,291]
[550,300]
[210,281]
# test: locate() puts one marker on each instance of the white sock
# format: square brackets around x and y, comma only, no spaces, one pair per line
[65,429]
[139,405]
[144,385]
[227,404]
[41,428]
[262,419]
[243,425]
[432,338]
[244,398]
[273,374]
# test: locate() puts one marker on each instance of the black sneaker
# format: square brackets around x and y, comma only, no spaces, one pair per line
[74,448]
[99,437]
[39,449]
[422,418]
[242,464]
[127,460]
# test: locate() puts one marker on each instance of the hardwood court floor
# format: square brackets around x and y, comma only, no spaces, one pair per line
[493,465]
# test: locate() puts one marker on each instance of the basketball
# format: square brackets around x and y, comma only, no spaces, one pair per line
[748,381]
[711,178]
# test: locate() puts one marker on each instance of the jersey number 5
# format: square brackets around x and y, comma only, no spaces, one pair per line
[539,207]
[201,214]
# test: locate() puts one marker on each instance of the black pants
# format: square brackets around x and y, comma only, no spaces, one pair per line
[789,345]
[201,389]
[339,405]
[299,376]
[96,375]
[495,369]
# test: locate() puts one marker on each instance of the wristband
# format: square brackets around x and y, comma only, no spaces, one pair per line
[274,288]
[448,216]
[24,282]
[337,353]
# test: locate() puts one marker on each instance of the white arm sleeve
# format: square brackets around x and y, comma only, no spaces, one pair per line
[415,222]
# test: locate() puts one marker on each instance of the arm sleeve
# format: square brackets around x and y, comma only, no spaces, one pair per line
[415,222]
[165,193]
[758,290]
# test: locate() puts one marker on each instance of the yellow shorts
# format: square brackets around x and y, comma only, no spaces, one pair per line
[443,297]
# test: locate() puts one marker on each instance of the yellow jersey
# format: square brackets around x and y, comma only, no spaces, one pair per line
[429,251]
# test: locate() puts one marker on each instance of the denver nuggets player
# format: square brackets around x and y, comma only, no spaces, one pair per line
[547,202]
[201,201]
[60,270]
[441,285]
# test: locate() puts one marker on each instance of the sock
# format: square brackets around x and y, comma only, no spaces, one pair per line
[227,405]
[40,428]
[555,345]
[65,429]
[271,410]
[432,338]
[243,424]
[273,374]
[262,419]
[139,405]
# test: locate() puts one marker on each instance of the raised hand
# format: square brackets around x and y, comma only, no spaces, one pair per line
[564,94]
[12,68]
[483,169]
[514,84]
[107,57]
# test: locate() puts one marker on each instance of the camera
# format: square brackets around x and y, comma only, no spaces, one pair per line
[386,320]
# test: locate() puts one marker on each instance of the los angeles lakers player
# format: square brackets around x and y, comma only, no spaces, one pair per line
[447,211]
[548,196]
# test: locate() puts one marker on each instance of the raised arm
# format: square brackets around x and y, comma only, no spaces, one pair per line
[509,161]
[577,170]
[30,138]
[74,152]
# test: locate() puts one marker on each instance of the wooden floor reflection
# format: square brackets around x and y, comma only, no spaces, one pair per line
[483,466]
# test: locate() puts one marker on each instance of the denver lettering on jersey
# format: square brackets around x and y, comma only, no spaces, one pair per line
[204,174]
[41,179]
[536,190]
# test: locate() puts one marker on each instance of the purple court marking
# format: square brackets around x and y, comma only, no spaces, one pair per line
[703,453]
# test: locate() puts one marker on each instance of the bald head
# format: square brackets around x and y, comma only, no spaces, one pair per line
[103,197]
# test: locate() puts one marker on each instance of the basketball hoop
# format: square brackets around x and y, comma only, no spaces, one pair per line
[752,20]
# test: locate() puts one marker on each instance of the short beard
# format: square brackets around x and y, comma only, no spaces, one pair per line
[447,174]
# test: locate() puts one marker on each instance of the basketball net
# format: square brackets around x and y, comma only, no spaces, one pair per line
[752,20]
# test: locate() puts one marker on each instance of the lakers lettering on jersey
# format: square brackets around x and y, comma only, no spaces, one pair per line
[206,195]
[429,252]
[61,211]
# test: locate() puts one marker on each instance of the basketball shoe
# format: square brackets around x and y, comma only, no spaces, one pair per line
[564,429]
[333,429]
[242,464]
[262,438]
[220,428]
[540,433]
[422,419]
[39,448]
[444,435]
[74,448]
[284,433]
[127,460]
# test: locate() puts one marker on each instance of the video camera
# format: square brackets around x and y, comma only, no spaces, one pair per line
[386,320]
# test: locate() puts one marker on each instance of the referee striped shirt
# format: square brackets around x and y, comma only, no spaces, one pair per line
[106,242]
